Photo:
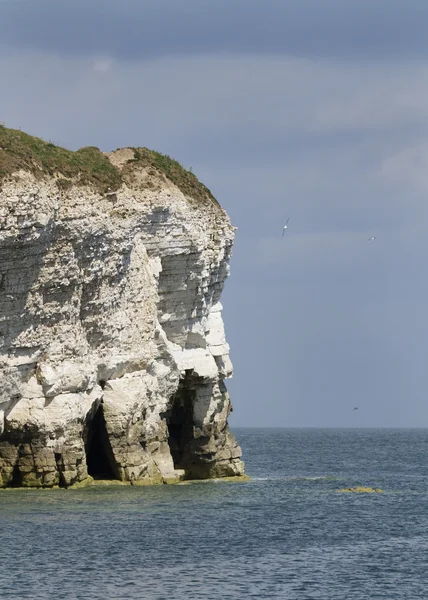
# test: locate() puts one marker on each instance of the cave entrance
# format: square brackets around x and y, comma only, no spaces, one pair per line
[99,455]
[16,477]
[180,424]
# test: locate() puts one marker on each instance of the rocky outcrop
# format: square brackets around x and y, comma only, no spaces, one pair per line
[112,348]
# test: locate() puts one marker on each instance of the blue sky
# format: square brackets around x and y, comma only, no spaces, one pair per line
[312,110]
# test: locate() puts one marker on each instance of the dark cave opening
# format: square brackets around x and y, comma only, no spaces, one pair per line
[99,456]
[16,477]
[180,424]
[60,467]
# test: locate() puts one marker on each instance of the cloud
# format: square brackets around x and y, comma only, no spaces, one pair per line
[135,30]
[408,167]
[102,65]
[252,100]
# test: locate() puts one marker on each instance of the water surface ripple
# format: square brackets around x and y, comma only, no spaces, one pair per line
[286,534]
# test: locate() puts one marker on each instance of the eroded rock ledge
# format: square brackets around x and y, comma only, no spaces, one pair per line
[112,349]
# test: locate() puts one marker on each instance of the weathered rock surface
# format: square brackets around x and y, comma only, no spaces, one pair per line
[112,348]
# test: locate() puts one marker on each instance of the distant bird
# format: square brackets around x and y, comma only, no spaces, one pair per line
[285,227]
[10,296]
[372,238]
[356,408]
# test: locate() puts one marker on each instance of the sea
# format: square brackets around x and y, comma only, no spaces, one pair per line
[287,534]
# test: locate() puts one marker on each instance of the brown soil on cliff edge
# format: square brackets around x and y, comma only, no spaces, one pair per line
[90,166]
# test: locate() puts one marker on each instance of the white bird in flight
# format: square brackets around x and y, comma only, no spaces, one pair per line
[372,238]
[285,227]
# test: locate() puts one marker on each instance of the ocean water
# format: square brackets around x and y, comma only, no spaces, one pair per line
[286,534]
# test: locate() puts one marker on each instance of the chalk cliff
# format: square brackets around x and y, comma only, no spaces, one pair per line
[112,348]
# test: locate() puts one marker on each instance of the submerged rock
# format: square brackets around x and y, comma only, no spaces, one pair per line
[361,489]
[112,348]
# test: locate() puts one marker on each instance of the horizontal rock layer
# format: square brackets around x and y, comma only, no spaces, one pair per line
[112,348]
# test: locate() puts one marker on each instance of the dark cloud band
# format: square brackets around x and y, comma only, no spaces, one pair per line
[131,29]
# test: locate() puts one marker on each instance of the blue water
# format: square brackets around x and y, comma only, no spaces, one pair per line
[285,534]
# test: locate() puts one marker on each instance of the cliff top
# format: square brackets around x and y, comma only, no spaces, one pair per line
[89,166]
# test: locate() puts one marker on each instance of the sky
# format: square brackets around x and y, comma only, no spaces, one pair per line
[317,111]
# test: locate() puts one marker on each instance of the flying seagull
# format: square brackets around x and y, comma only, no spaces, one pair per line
[285,227]
[356,408]
[372,238]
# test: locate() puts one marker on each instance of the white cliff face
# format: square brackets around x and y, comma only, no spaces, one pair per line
[112,346]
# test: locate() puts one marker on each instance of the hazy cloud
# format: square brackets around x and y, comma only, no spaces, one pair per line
[102,65]
[408,167]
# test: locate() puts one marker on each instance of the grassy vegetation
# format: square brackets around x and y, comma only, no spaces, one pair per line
[185,180]
[87,166]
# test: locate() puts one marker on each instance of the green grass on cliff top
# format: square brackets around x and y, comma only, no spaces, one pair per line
[185,180]
[87,166]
